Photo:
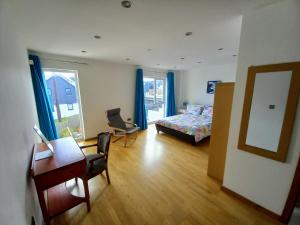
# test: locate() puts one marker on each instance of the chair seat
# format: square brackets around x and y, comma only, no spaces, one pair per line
[131,130]
[98,166]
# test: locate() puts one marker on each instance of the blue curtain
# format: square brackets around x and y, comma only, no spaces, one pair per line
[140,117]
[170,106]
[42,100]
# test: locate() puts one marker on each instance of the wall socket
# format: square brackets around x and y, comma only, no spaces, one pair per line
[271,106]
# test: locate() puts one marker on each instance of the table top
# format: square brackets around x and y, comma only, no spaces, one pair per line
[66,152]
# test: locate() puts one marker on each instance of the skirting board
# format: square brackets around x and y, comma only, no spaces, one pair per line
[90,139]
[252,204]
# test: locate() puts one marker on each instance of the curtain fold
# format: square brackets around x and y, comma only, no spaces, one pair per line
[44,110]
[140,117]
[170,106]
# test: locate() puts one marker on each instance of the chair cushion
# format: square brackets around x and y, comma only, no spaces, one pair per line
[98,165]
[114,118]
[131,130]
[207,111]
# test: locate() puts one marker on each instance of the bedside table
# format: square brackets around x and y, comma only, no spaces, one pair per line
[182,111]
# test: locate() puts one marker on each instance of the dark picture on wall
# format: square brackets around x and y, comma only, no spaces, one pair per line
[211,86]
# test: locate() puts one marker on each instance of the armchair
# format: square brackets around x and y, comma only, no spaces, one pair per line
[119,127]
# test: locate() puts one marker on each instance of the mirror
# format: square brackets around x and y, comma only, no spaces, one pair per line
[270,106]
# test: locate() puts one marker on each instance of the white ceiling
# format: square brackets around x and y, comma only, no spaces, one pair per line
[67,27]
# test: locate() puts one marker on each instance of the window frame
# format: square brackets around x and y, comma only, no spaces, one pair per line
[77,93]
[157,76]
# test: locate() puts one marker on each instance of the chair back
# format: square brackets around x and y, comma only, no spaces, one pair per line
[103,143]
[114,118]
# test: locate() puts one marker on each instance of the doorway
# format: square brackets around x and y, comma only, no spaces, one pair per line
[154,94]
[63,91]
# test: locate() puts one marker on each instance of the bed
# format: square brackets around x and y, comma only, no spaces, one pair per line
[192,126]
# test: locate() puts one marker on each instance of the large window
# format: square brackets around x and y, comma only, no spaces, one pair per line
[154,89]
[64,95]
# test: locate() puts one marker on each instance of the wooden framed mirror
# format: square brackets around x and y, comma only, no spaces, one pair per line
[270,105]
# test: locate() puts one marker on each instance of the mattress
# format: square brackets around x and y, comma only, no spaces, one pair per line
[198,126]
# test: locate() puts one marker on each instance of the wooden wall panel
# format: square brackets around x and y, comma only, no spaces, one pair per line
[220,130]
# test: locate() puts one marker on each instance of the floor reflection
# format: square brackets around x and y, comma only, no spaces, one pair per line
[153,150]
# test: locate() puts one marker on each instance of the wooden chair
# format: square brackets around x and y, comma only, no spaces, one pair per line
[97,163]
[119,127]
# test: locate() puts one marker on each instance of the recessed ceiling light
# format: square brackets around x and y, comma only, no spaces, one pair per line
[220,49]
[188,33]
[234,55]
[126,4]
[83,51]
[182,58]
[127,59]
[97,36]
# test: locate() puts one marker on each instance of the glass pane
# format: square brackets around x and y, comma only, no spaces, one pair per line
[63,96]
[159,99]
[154,98]
[149,96]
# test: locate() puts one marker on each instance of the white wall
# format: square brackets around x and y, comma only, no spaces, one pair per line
[194,81]
[179,88]
[17,117]
[269,35]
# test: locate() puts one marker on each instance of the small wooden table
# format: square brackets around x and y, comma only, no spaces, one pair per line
[50,175]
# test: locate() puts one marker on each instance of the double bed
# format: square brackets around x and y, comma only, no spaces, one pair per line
[192,126]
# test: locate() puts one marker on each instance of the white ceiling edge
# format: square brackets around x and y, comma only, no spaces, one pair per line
[64,59]
[65,28]
[262,5]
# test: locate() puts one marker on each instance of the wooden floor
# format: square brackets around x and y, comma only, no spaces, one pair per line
[159,180]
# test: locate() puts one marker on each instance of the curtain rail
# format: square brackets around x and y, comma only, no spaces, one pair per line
[64,61]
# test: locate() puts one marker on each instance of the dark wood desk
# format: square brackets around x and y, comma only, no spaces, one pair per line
[50,174]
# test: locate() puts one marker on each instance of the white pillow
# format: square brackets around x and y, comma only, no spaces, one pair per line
[194,109]
[207,110]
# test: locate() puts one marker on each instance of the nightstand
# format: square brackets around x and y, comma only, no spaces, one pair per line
[182,111]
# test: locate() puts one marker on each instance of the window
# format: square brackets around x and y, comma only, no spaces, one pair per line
[68,91]
[65,101]
[154,93]
[70,106]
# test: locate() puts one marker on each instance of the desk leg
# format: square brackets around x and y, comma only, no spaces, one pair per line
[41,197]
[86,191]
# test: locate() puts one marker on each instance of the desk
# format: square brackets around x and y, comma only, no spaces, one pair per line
[50,174]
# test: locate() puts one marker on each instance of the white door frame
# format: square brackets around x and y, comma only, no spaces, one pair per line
[77,93]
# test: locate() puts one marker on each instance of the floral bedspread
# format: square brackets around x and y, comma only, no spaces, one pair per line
[199,126]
